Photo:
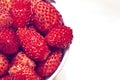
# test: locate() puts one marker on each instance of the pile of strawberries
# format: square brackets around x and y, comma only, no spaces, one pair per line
[33,38]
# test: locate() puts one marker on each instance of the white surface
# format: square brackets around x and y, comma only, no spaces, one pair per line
[95,52]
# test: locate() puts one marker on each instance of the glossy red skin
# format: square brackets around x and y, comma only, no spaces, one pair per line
[20,72]
[9,41]
[46,16]
[34,2]
[60,37]
[20,12]
[47,68]
[22,59]
[33,43]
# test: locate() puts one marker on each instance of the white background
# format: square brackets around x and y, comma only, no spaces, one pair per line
[95,51]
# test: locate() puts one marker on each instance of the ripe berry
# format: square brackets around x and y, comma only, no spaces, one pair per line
[60,37]
[47,68]
[46,16]
[33,43]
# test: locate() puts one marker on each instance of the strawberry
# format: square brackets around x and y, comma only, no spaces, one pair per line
[22,59]
[6,4]
[5,18]
[20,12]
[47,68]
[34,2]
[33,43]
[19,72]
[60,37]
[9,41]
[3,64]
[46,17]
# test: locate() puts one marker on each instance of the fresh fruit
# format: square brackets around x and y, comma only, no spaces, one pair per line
[33,39]
[3,64]
[34,2]
[33,43]
[6,4]
[22,59]
[19,72]
[47,68]
[5,18]
[20,12]
[9,42]
[60,37]
[46,17]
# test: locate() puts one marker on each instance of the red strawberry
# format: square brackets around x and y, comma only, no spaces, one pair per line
[34,2]
[33,43]
[9,41]
[3,64]
[6,4]
[60,37]
[22,59]
[19,72]
[5,18]
[48,67]
[46,17]
[21,12]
